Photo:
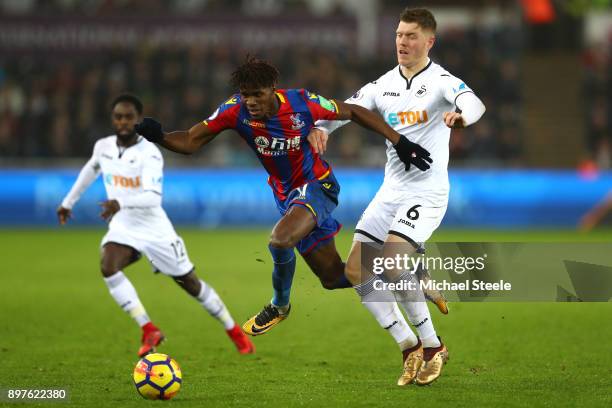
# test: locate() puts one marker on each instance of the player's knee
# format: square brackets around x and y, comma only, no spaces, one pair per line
[190,283]
[282,241]
[108,269]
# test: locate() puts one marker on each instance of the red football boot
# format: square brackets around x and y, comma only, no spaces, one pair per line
[151,338]
[242,342]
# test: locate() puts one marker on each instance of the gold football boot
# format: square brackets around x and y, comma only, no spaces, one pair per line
[433,295]
[433,360]
[413,358]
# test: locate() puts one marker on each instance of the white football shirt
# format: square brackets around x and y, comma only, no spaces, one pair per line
[414,108]
[134,177]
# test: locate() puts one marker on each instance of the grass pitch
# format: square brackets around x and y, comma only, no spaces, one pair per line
[59,328]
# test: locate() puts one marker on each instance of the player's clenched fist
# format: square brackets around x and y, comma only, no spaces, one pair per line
[318,140]
[453,120]
[412,153]
[63,214]
[109,208]
[151,130]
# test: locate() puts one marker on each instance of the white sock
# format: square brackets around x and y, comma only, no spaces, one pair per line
[386,313]
[213,304]
[122,290]
[419,316]
[413,302]
[390,318]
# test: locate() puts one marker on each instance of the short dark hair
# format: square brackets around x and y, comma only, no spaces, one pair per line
[423,17]
[128,98]
[254,73]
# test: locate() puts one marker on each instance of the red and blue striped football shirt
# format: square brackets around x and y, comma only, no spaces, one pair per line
[280,142]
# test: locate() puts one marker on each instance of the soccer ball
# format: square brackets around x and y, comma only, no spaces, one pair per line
[157,376]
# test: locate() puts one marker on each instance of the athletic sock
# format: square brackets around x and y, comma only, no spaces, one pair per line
[122,290]
[413,303]
[387,314]
[418,315]
[210,300]
[282,275]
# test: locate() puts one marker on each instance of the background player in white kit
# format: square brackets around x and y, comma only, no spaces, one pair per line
[132,171]
[422,101]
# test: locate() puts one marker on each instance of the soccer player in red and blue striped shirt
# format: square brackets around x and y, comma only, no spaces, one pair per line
[275,124]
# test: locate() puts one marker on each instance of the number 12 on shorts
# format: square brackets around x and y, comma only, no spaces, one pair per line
[178,248]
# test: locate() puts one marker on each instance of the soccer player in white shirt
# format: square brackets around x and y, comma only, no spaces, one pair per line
[421,101]
[132,171]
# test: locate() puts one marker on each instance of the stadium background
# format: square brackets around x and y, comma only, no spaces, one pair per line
[542,73]
[535,163]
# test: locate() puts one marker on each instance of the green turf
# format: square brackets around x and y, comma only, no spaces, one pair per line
[60,328]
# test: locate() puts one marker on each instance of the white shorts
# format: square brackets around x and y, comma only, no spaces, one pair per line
[168,256]
[399,213]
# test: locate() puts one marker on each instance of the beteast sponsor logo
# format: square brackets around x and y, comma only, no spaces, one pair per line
[407,118]
[122,181]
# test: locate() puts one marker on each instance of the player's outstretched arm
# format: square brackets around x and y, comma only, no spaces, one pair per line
[407,151]
[87,175]
[368,120]
[180,141]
